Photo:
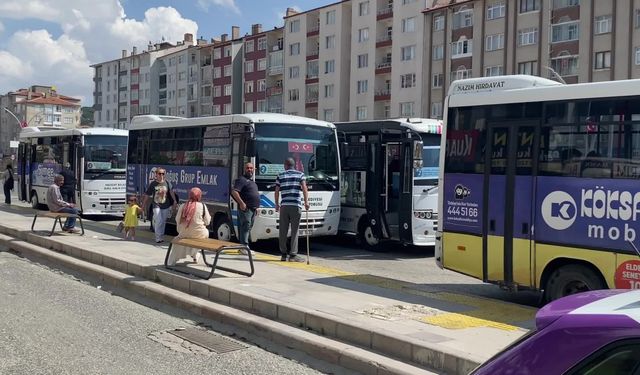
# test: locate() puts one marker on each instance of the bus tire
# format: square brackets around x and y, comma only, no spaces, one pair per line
[222,229]
[572,279]
[35,202]
[367,237]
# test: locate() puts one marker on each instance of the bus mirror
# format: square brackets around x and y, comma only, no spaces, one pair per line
[417,150]
[250,149]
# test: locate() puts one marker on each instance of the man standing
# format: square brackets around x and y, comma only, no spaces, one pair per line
[160,191]
[245,193]
[291,182]
[57,204]
[68,190]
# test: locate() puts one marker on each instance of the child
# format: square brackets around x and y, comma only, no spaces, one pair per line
[131,218]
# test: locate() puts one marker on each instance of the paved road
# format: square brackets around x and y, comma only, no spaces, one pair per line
[52,324]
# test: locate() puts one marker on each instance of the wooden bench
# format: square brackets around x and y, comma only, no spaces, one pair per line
[57,218]
[212,245]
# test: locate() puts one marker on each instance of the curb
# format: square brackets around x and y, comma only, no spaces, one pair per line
[295,317]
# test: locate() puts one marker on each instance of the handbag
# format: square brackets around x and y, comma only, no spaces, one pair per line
[120,227]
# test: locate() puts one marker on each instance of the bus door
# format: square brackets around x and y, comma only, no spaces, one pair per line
[405,203]
[508,193]
[375,191]
[23,173]
[237,169]
[142,178]
[393,168]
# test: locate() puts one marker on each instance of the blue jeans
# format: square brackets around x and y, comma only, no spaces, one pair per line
[71,221]
[160,216]
[245,223]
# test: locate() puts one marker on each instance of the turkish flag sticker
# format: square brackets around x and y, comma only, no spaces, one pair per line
[303,148]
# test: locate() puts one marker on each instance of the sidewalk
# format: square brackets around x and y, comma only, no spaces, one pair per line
[446,332]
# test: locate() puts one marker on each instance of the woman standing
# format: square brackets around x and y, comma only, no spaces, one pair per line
[192,218]
[7,179]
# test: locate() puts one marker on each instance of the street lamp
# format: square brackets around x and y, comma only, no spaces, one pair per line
[13,114]
[555,74]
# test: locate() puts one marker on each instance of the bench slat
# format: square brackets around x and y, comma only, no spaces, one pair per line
[57,214]
[205,243]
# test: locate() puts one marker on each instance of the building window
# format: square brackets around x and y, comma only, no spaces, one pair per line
[528,67]
[248,66]
[409,25]
[227,51]
[227,90]
[228,69]
[262,85]
[248,107]
[329,66]
[363,8]
[294,26]
[602,25]
[216,110]
[331,17]
[361,113]
[492,71]
[437,80]
[248,46]
[248,87]
[529,5]
[330,41]
[637,55]
[227,109]
[407,53]
[436,110]
[407,80]
[217,91]
[406,109]
[294,71]
[463,18]
[565,65]
[438,23]
[363,35]
[565,32]
[528,36]
[363,61]
[602,60]
[312,69]
[261,106]
[557,4]
[460,73]
[262,44]
[328,115]
[328,91]
[494,42]
[461,48]
[495,10]
[637,18]
[294,95]
[438,52]
[262,64]
[363,86]
[217,72]
[294,49]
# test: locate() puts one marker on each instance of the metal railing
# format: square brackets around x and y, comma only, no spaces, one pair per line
[384,64]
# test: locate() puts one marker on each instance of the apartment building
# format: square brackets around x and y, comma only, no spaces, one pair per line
[317,55]
[35,106]
[568,40]
[263,70]
[130,85]
[227,74]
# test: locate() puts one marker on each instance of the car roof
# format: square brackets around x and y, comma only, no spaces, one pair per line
[603,307]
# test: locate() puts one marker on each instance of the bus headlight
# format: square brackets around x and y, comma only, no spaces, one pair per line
[428,215]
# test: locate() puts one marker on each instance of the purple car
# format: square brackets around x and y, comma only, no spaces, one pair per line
[591,333]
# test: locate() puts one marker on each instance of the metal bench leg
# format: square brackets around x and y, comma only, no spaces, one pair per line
[55,222]
[166,257]
[60,222]
[81,225]
[213,266]
[33,224]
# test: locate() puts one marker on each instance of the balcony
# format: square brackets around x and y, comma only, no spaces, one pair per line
[381,95]
[192,79]
[313,30]
[313,54]
[311,101]
[385,13]
[384,41]
[383,67]
[206,99]
[274,109]
[276,70]
[275,90]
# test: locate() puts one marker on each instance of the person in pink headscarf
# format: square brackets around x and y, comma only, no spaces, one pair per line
[192,218]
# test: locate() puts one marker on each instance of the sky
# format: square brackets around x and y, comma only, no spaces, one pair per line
[54,42]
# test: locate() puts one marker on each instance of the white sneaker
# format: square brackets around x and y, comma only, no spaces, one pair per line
[245,252]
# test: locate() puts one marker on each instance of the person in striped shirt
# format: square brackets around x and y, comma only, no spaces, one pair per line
[290,184]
